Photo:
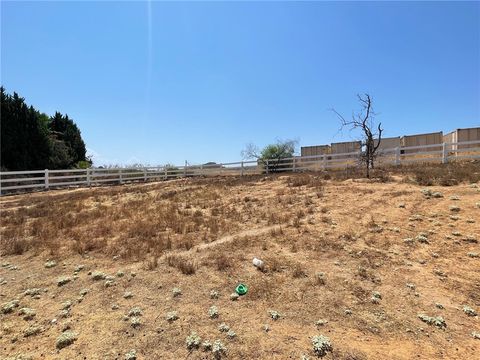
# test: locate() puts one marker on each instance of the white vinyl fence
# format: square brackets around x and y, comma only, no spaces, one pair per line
[14,181]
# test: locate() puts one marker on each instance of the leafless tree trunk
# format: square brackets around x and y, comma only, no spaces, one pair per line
[364,120]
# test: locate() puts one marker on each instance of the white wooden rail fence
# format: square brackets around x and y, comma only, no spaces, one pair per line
[12,181]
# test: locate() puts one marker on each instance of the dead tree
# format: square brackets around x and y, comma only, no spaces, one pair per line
[365,120]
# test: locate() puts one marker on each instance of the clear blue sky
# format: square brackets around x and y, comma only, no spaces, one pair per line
[157,82]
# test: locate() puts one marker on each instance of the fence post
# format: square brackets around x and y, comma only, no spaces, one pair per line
[201,169]
[397,155]
[46,179]
[166,173]
[88,177]
[444,153]
[293,166]
[185,169]
[324,161]
[267,166]
[241,170]
[145,174]
[121,178]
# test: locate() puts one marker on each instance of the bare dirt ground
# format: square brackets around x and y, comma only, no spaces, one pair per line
[418,251]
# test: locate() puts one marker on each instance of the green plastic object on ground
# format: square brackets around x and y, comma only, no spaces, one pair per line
[241,289]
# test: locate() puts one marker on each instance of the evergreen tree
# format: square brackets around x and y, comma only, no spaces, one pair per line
[64,129]
[30,140]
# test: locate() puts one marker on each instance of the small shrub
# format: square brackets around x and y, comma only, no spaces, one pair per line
[131,355]
[437,321]
[176,292]
[275,315]
[171,316]
[193,341]
[207,345]
[66,305]
[218,349]
[28,313]
[135,322]
[213,312]
[65,339]
[222,262]
[79,268]
[298,271]
[431,194]
[151,263]
[32,330]
[376,295]
[469,311]
[187,267]
[320,278]
[63,280]
[470,239]
[223,327]
[64,313]
[422,239]
[33,292]
[135,311]
[214,294]
[234,296]
[321,345]
[98,275]
[51,263]
[321,322]
[231,334]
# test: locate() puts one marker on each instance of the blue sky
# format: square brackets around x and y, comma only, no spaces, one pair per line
[157,82]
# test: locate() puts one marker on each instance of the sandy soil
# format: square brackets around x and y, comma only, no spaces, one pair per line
[352,231]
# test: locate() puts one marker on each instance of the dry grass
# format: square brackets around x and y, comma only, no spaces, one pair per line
[201,234]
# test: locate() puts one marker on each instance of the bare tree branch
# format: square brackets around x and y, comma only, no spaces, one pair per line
[364,120]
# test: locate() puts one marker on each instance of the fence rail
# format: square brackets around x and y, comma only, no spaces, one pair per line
[13,181]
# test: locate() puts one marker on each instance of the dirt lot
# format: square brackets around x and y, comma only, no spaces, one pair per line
[328,247]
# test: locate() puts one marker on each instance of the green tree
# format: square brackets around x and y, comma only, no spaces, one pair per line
[24,140]
[273,156]
[30,140]
[64,129]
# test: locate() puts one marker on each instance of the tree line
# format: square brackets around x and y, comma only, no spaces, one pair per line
[32,140]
